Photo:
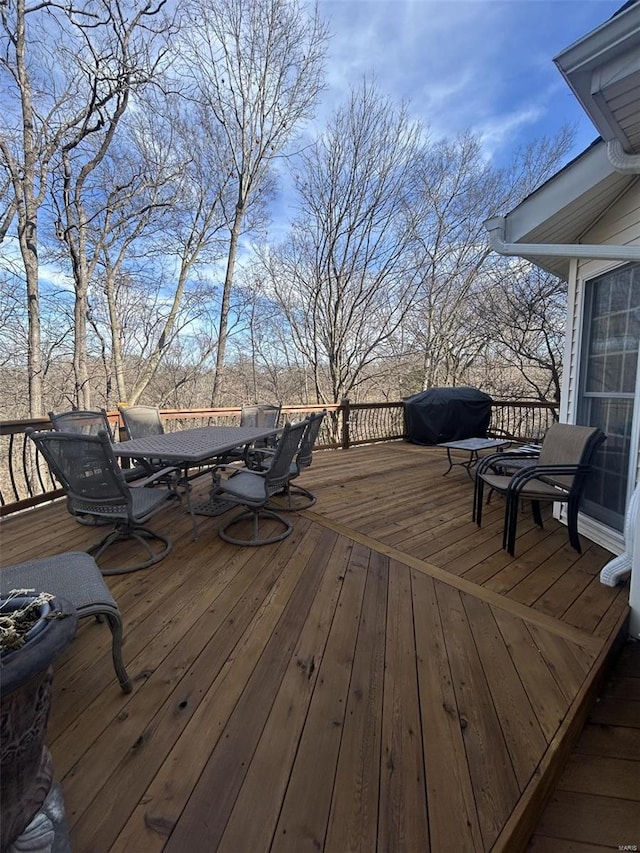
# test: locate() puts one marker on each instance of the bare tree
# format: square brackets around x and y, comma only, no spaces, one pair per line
[346,276]
[121,61]
[67,71]
[257,69]
[523,315]
[159,220]
[463,189]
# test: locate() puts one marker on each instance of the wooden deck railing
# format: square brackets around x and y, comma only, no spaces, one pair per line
[25,479]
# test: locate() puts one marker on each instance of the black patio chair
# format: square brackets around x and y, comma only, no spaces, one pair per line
[141,421]
[73,575]
[253,489]
[302,460]
[260,416]
[557,474]
[87,469]
[90,422]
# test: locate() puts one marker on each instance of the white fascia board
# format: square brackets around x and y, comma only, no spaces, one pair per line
[619,69]
[579,62]
[559,192]
[611,38]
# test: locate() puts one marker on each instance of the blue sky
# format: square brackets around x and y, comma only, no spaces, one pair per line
[486,65]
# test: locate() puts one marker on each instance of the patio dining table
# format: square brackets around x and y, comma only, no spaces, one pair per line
[192,447]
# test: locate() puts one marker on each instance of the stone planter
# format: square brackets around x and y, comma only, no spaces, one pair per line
[25,698]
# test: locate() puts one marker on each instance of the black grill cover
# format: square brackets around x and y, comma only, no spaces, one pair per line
[446,414]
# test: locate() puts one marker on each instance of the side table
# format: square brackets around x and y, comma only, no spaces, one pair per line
[472,446]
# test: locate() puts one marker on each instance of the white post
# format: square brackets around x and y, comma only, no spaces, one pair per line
[618,568]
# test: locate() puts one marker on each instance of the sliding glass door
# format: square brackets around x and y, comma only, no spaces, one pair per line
[609,388]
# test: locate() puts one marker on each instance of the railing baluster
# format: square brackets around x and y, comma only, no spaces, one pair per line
[349,424]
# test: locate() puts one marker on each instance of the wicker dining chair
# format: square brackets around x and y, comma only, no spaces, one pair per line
[253,489]
[87,469]
[90,422]
[297,497]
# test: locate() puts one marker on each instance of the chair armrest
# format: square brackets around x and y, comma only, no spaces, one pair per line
[254,456]
[224,466]
[162,474]
[541,472]
[489,461]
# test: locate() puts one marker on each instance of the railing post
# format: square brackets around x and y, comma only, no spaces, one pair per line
[345,408]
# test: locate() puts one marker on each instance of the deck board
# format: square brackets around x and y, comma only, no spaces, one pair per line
[385,679]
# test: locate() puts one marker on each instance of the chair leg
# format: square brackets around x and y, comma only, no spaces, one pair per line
[507,522]
[572,524]
[256,539]
[537,515]
[477,501]
[115,623]
[307,499]
[511,516]
[141,535]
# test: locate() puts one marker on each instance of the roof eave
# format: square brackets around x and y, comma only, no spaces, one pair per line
[565,207]
[590,64]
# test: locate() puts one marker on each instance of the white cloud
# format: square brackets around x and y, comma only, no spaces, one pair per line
[53,276]
[484,65]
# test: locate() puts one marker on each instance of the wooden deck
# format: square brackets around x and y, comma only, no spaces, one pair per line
[385,679]
[596,803]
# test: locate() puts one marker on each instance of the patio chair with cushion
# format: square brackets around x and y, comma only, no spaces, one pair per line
[253,489]
[87,469]
[90,422]
[260,416]
[302,460]
[558,474]
[142,422]
[73,575]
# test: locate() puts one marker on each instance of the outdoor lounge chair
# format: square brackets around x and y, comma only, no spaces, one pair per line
[90,422]
[253,489]
[73,575]
[558,474]
[87,469]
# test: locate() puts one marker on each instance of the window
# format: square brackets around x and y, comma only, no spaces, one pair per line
[608,387]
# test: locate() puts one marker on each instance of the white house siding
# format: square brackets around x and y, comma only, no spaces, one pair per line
[619,225]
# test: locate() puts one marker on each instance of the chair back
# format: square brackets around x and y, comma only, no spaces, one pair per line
[264,415]
[87,470]
[141,421]
[279,471]
[305,453]
[569,444]
[84,421]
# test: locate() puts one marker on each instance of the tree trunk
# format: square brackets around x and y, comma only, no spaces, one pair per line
[34,353]
[218,381]
[82,390]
